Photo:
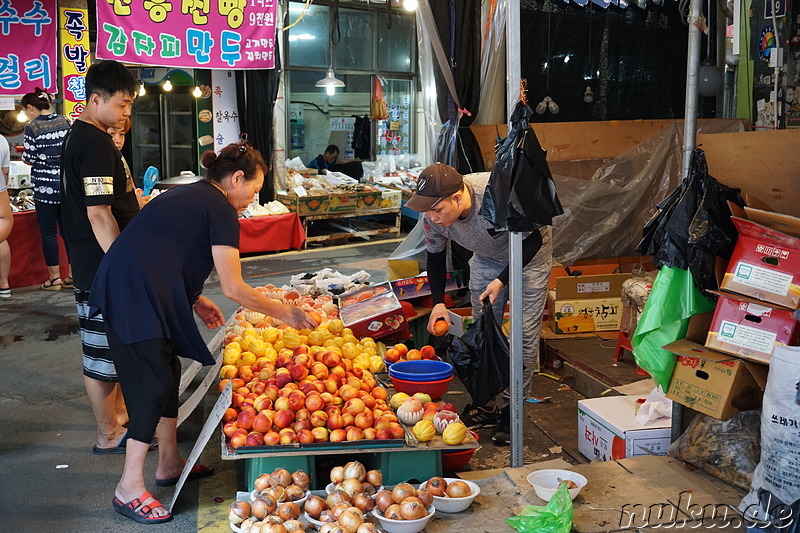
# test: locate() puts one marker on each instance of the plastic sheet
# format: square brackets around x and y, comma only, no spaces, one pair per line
[673,300]
[603,215]
[726,449]
[555,517]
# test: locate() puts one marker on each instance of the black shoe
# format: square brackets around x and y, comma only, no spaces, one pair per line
[501,436]
[475,416]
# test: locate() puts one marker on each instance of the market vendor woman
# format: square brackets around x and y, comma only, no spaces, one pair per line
[146,288]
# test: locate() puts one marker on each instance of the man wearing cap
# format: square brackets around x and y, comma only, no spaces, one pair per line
[451,205]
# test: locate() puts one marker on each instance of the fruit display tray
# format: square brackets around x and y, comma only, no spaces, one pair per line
[437,443]
[314,447]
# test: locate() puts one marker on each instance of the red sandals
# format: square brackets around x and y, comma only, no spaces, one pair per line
[137,511]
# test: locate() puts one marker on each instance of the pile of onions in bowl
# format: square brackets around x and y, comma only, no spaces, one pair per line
[404,502]
[281,486]
[265,516]
[439,487]
[354,479]
[339,514]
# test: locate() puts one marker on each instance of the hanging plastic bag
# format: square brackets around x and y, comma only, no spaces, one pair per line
[665,318]
[555,517]
[521,194]
[377,108]
[481,357]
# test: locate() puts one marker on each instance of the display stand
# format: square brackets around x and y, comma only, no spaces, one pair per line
[346,225]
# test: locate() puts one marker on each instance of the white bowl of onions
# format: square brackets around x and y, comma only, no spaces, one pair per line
[300,501]
[451,495]
[398,524]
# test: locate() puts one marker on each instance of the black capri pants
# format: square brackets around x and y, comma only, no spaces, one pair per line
[149,373]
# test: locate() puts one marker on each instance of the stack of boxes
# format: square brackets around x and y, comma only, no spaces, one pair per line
[755,314]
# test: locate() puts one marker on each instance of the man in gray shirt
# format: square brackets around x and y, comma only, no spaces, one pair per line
[451,205]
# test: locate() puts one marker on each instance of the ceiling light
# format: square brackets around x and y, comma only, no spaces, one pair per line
[22,117]
[410,5]
[330,82]
[142,90]
[167,85]
[197,93]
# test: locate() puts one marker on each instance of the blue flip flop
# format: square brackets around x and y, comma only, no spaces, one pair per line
[119,448]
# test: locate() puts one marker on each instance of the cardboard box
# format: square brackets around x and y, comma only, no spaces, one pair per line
[391,198]
[714,383]
[591,267]
[368,201]
[766,260]
[749,329]
[344,202]
[305,205]
[586,303]
[607,429]
[409,288]
[373,311]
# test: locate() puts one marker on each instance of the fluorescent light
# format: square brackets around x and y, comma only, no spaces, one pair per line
[301,37]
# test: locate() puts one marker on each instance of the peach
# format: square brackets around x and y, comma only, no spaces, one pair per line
[283,418]
[254,438]
[305,436]
[262,423]
[337,435]
[272,438]
[246,418]
[319,418]
[320,434]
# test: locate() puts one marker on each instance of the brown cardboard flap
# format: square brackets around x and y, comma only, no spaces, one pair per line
[776,221]
[749,300]
[599,286]
[699,326]
[756,203]
[688,348]
[759,372]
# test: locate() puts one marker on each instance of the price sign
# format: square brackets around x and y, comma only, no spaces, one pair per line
[778,5]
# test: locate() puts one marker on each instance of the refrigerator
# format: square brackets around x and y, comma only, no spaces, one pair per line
[163,133]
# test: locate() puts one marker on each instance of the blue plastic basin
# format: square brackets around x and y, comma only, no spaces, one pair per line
[423,370]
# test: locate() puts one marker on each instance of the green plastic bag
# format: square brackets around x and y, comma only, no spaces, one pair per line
[665,319]
[555,517]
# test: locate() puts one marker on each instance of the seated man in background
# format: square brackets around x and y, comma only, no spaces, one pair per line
[328,161]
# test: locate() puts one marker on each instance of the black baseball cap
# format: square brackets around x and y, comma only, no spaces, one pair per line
[436,182]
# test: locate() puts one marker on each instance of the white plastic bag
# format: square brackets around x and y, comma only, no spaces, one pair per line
[655,406]
[775,492]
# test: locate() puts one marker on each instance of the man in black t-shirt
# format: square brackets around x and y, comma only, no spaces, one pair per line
[98,201]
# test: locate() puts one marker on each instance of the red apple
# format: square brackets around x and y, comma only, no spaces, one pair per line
[320,434]
[283,418]
[305,436]
[237,399]
[337,435]
[354,434]
[246,418]
[229,428]
[319,419]
[262,423]
[254,438]
[272,438]
[364,420]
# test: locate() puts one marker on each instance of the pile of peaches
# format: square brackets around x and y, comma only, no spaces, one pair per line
[400,352]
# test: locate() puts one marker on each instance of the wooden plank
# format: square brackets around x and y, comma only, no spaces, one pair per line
[517,475]
[761,163]
[595,357]
[560,423]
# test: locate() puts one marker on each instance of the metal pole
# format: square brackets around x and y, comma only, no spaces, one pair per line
[515,245]
[692,68]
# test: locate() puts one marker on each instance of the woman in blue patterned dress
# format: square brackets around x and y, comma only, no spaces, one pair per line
[44,135]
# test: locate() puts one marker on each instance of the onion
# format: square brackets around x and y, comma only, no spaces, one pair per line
[354,470]
[351,487]
[367,527]
[412,509]
[425,497]
[374,478]
[363,502]
[294,525]
[272,528]
[336,497]
[273,519]
[339,509]
[383,500]
[255,528]
[301,479]
[289,511]
[393,512]
[436,486]
[247,524]
[277,493]
[238,512]
[280,477]
[337,475]
[314,506]
[458,489]
[368,489]
[332,528]
[294,493]
[350,521]
[262,506]
[261,482]
[357,512]
[327,516]
[402,491]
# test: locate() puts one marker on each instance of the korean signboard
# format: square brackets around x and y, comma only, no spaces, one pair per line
[28,54]
[209,34]
[74,53]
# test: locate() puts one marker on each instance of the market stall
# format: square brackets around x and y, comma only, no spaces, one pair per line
[27,260]
[273,233]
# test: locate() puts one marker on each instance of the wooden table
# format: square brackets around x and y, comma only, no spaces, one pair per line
[348,226]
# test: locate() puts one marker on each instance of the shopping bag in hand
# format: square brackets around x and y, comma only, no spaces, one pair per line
[481,356]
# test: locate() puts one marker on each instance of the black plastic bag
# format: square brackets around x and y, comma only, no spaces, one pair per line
[481,357]
[521,194]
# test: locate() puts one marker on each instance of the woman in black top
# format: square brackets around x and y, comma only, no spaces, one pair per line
[146,288]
